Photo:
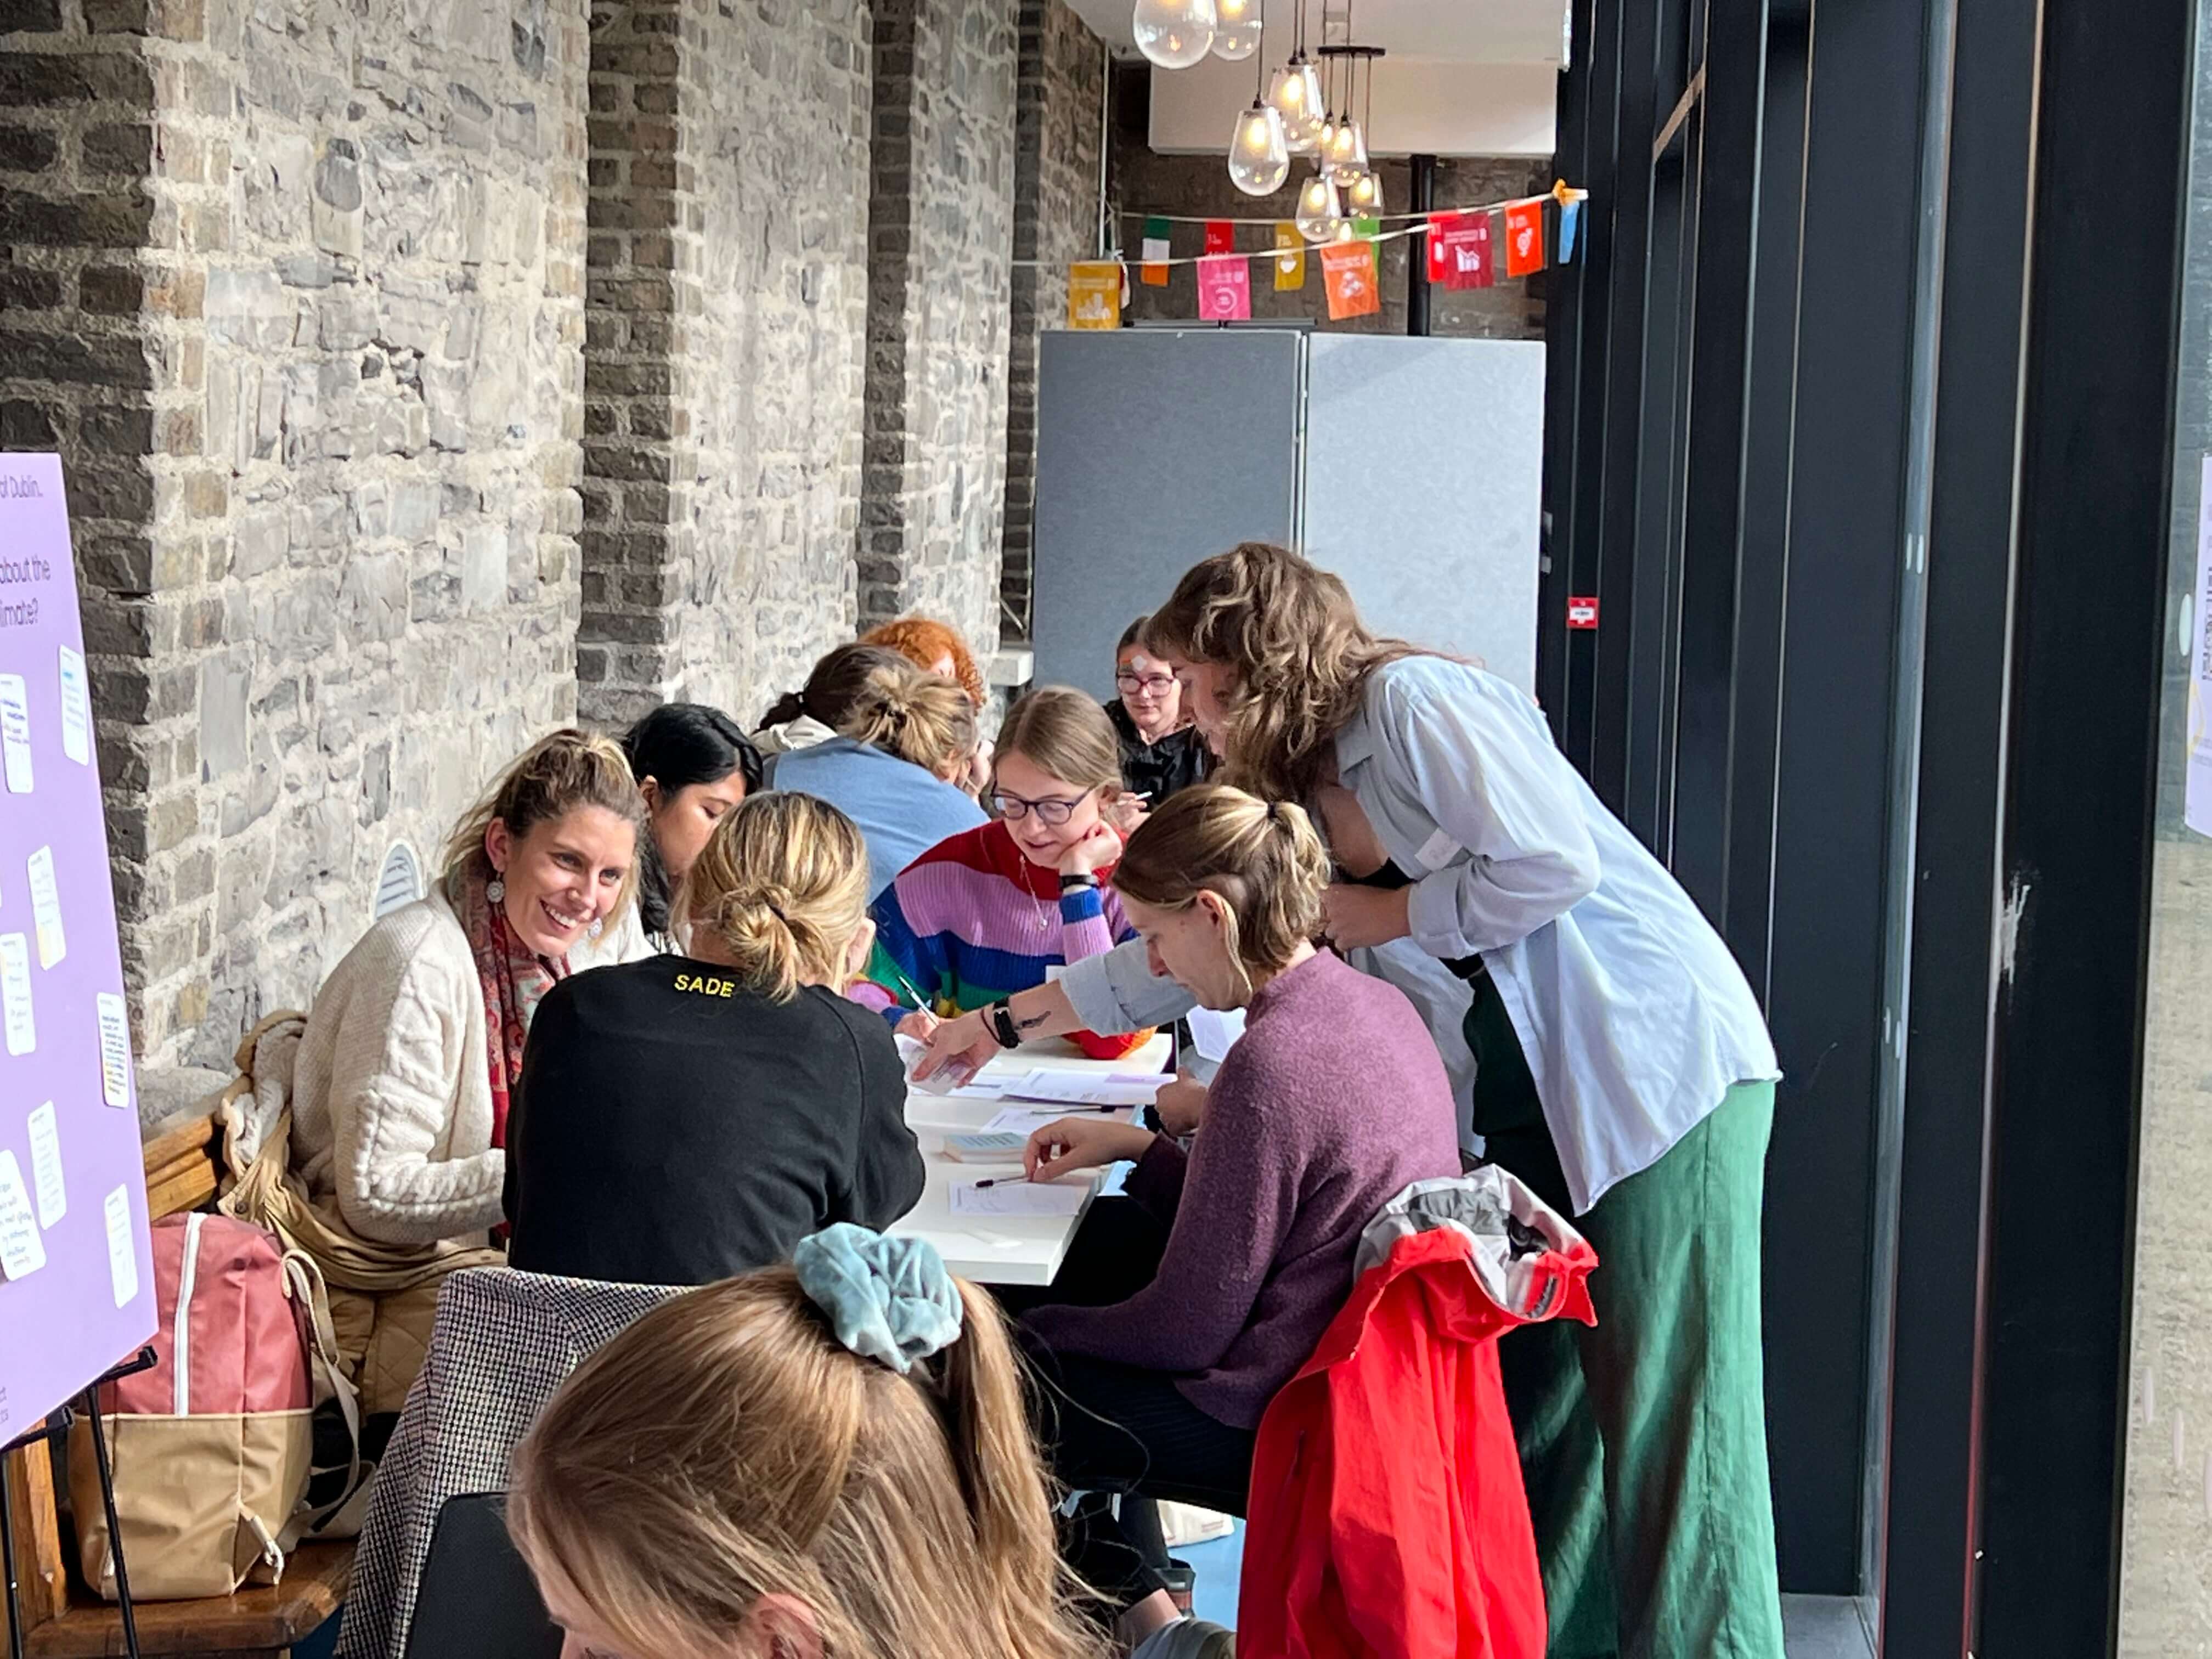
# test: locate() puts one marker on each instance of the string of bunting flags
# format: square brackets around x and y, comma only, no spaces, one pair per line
[1465,247]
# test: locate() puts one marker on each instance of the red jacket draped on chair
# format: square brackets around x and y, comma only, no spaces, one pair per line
[1386,1515]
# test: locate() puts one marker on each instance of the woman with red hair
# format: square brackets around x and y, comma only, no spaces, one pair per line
[933,647]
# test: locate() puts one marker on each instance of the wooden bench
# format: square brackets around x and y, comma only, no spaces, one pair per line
[62,1620]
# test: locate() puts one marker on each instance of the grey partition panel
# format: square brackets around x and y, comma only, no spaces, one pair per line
[1423,480]
[1155,448]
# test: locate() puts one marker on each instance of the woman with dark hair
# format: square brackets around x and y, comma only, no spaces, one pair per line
[816,712]
[692,765]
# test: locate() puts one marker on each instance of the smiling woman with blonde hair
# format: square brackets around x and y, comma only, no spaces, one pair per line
[691,1116]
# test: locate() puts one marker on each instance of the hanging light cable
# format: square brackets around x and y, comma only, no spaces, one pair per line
[1297,93]
[1259,157]
[1362,196]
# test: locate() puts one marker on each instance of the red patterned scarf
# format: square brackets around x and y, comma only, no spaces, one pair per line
[515,978]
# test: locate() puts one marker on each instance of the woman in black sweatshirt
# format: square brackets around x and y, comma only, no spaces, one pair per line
[685,1118]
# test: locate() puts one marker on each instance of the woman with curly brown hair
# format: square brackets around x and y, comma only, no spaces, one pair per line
[1623,1071]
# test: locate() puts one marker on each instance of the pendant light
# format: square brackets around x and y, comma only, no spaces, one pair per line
[1363,187]
[1297,93]
[1321,215]
[1259,156]
[1174,33]
[1237,29]
[1344,147]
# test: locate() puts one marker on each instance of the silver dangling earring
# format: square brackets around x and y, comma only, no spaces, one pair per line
[494,891]
[596,929]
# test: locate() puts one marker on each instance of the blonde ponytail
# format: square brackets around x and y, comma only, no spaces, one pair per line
[782,884]
[1263,858]
[726,1447]
[923,718]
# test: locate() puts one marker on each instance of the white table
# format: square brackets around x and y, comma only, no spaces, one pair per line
[1003,1249]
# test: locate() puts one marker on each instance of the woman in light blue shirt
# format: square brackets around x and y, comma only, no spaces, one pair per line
[1623,1070]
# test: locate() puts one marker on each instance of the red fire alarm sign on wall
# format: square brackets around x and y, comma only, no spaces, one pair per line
[1583,612]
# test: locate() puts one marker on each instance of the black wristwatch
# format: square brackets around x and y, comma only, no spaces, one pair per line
[1000,1017]
[1077,883]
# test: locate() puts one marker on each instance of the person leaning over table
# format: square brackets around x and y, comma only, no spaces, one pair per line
[1181,1309]
[691,1116]
[1624,1072]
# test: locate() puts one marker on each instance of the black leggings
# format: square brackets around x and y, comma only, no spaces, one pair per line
[1111,1429]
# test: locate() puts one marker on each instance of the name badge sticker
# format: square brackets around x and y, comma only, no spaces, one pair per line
[77,708]
[1439,850]
[16,733]
[16,994]
[122,1253]
[46,908]
[22,1252]
[47,1167]
[114,1048]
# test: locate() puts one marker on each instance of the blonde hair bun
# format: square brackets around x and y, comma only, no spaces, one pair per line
[782,883]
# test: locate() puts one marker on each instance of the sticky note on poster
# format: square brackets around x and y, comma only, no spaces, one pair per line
[15,734]
[46,908]
[122,1253]
[76,707]
[22,1252]
[114,1048]
[46,1183]
[16,994]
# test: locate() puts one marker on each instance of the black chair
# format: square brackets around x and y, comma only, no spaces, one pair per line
[477,1600]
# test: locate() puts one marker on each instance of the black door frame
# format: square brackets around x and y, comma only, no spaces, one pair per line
[1879,671]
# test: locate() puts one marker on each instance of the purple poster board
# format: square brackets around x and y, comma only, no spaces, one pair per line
[76,1277]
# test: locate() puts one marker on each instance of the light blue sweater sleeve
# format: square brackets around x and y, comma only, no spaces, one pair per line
[1117,992]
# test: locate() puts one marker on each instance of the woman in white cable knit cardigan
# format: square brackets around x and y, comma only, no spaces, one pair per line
[399,1094]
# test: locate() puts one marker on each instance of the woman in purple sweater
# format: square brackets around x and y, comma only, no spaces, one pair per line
[1210,1296]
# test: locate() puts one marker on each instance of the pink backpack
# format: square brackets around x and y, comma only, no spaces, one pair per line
[211,1448]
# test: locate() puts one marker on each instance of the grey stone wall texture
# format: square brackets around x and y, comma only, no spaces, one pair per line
[940,232]
[1059,138]
[426,371]
[728,295]
[297,289]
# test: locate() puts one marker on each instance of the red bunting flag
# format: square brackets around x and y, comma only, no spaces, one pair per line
[1439,264]
[1220,236]
[1468,250]
[1348,270]
[1224,289]
[1524,237]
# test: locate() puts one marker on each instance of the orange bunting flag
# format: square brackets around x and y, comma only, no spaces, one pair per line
[1290,257]
[1348,270]
[1094,296]
[1524,237]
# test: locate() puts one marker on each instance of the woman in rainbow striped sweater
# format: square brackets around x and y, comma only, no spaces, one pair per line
[988,912]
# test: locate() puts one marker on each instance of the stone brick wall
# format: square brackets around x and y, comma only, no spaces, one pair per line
[729,182]
[1059,101]
[940,230]
[328,520]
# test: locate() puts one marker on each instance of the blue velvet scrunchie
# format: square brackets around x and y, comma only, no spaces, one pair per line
[886,1298]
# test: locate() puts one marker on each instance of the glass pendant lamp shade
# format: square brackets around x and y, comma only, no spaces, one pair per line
[1174,33]
[1296,95]
[1321,215]
[1362,196]
[1344,152]
[1235,29]
[1258,160]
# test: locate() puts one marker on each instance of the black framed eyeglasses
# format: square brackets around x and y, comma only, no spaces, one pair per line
[1014,808]
[1158,684]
